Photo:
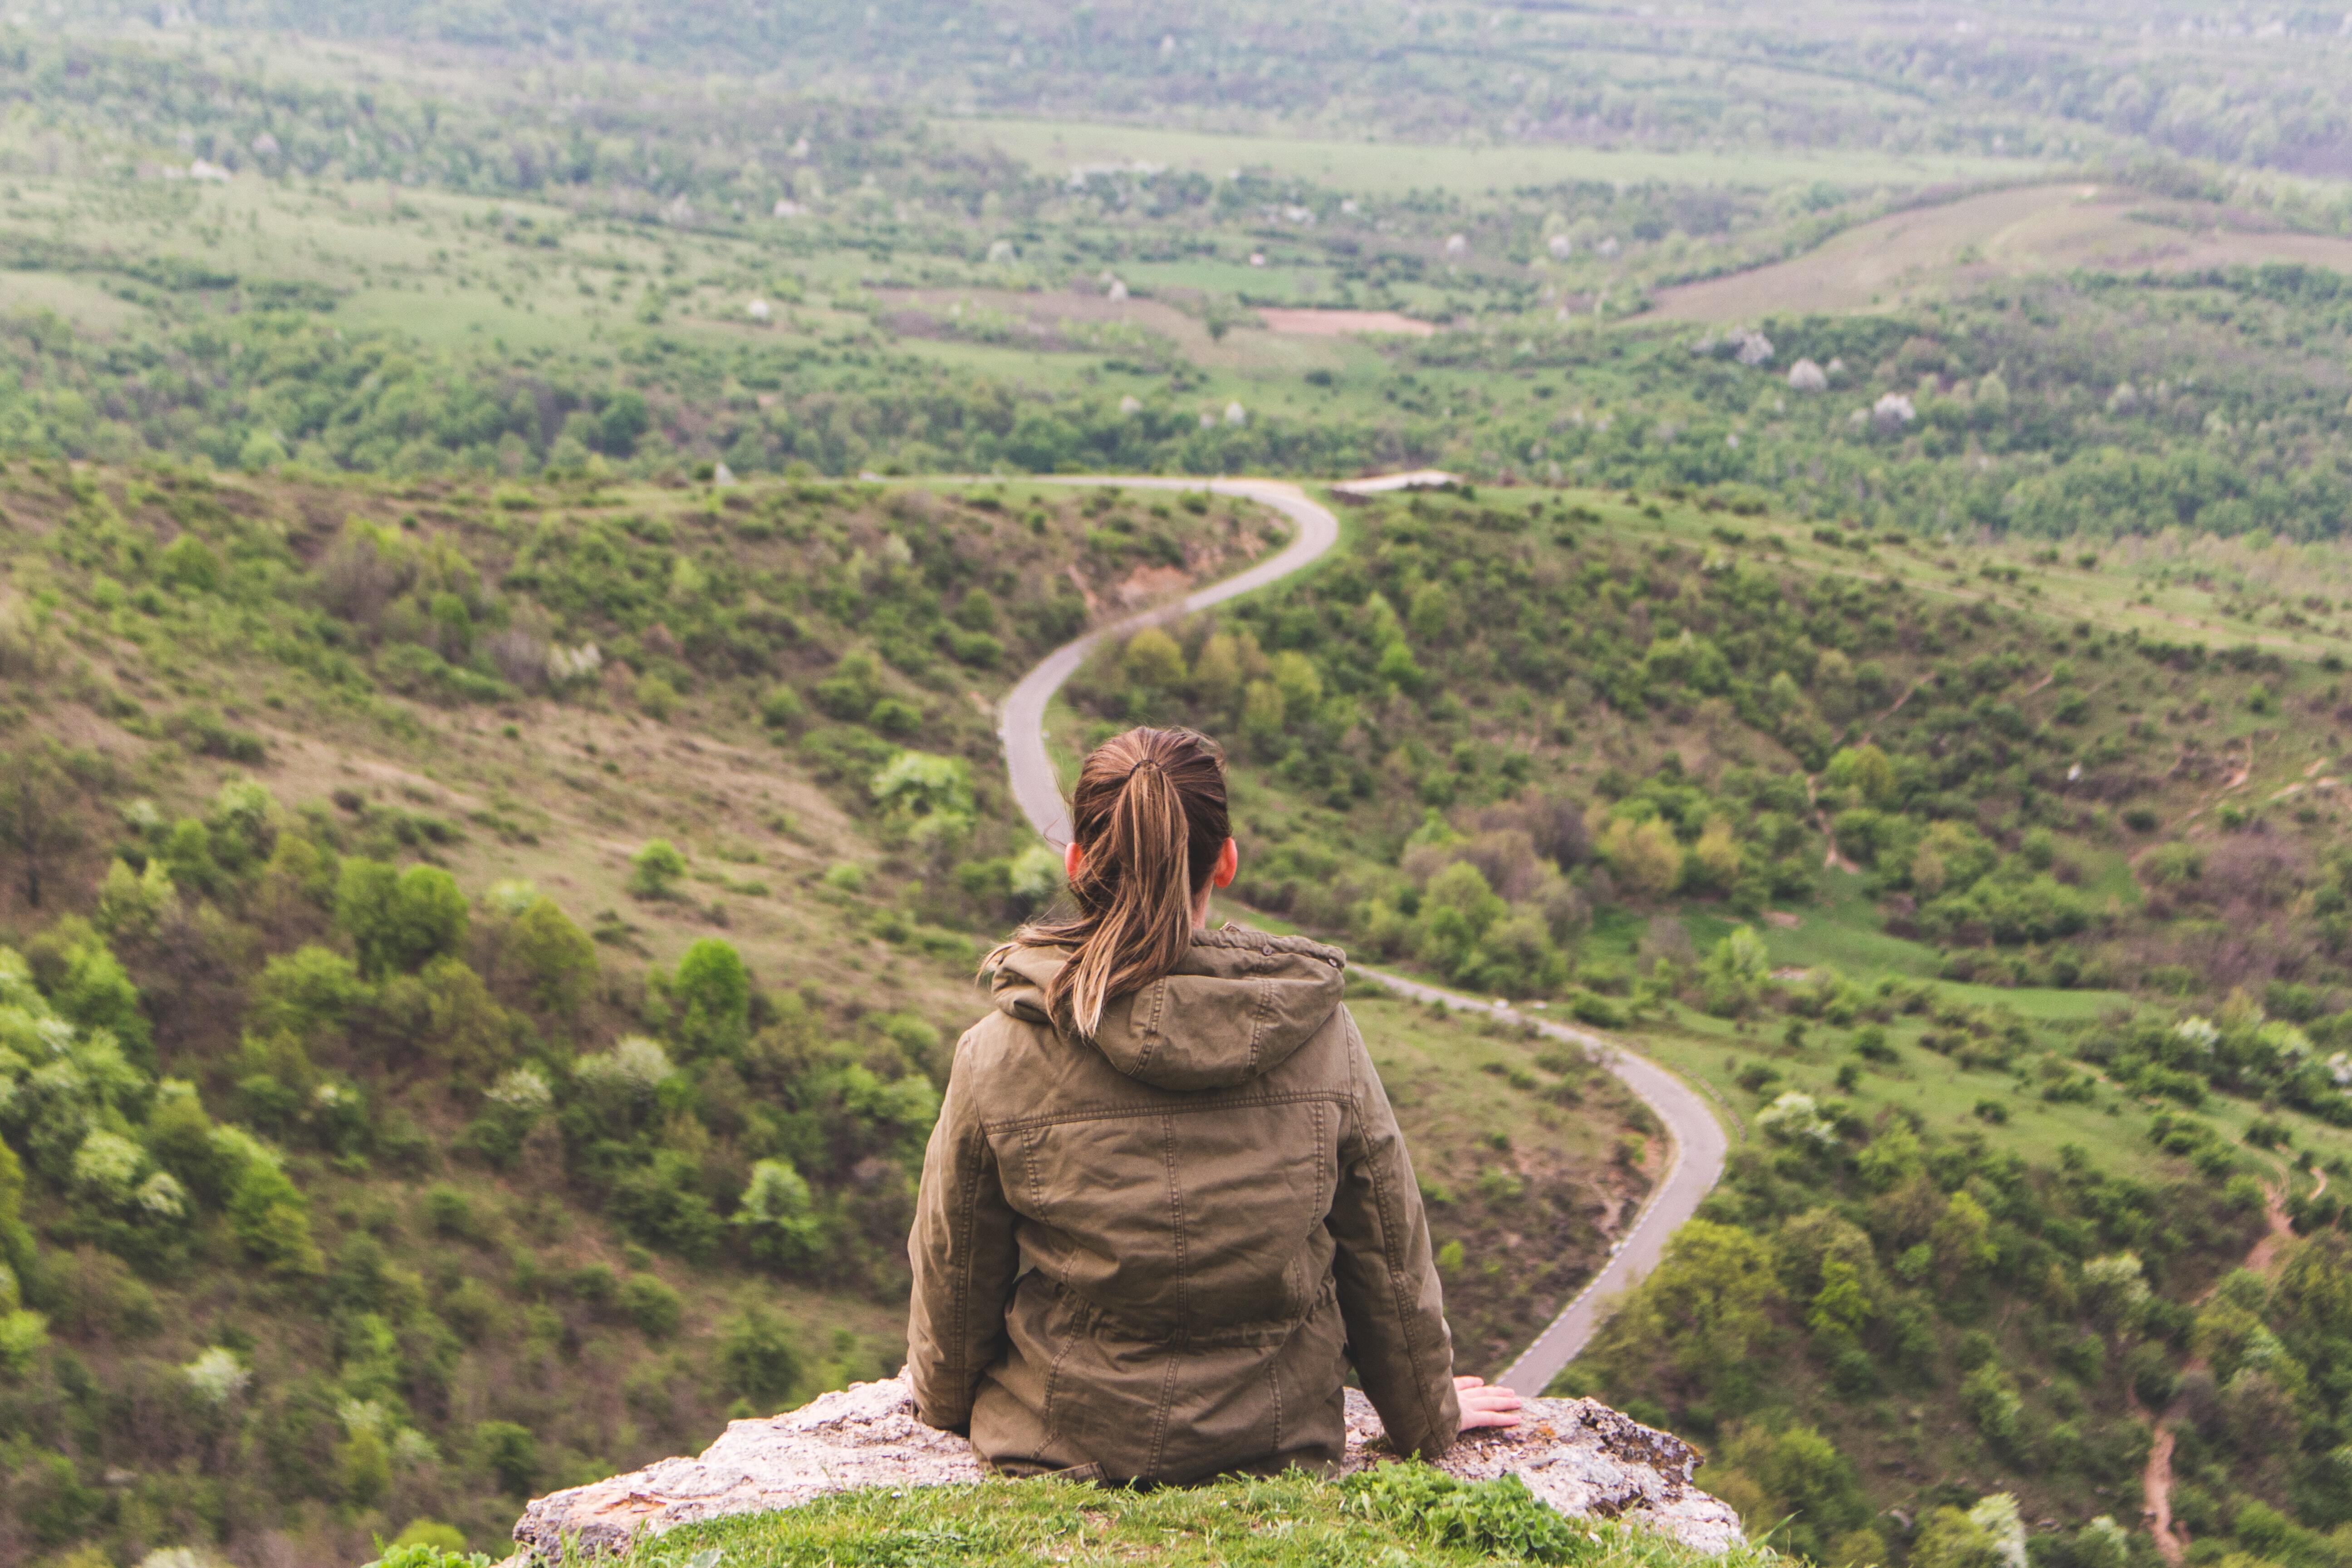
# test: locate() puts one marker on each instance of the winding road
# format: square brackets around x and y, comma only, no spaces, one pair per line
[1698,1142]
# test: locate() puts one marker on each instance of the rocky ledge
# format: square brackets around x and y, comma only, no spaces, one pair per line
[1578,1455]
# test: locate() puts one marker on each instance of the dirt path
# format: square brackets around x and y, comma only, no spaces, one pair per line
[2156,1479]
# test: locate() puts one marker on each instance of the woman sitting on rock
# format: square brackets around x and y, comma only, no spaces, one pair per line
[1166,1203]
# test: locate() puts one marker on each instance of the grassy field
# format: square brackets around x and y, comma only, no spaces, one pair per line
[1395,167]
[1927,254]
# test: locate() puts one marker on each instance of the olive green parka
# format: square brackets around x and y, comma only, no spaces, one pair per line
[1152,1255]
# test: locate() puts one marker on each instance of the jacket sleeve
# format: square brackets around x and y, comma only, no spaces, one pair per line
[964,1259]
[1388,1286]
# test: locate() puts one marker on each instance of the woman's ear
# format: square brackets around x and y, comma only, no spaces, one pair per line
[1071,856]
[1228,866]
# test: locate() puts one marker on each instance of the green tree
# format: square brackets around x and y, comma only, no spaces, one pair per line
[271,1219]
[1700,1323]
[38,824]
[760,1358]
[655,870]
[777,1212]
[553,959]
[1733,975]
[306,991]
[1153,662]
[1794,1474]
[510,1451]
[712,991]
[399,920]
[89,986]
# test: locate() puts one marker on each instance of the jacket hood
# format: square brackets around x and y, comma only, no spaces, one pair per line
[1238,1005]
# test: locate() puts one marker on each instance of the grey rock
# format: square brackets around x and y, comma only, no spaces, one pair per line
[1578,1455]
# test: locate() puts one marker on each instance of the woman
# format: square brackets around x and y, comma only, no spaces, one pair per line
[1166,1203]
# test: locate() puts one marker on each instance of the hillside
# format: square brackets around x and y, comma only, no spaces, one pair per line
[500,804]
[489,958]
[1997,907]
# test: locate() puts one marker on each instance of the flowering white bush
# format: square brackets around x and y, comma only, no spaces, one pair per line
[1793,1117]
[522,1088]
[1997,1516]
[106,1165]
[218,1376]
[635,1062]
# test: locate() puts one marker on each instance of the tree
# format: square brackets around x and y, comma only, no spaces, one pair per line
[1702,1315]
[87,985]
[552,957]
[1733,975]
[760,1358]
[271,1219]
[655,870]
[713,992]
[1797,1474]
[308,992]
[131,903]
[778,1212]
[1645,854]
[397,920]
[511,1452]
[38,823]
[1153,661]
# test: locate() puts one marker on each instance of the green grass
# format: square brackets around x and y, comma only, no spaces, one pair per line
[1392,168]
[1291,1520]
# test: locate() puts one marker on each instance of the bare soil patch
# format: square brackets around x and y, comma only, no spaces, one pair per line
[1314,323]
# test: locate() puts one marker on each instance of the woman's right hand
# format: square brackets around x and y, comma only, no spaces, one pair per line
[1486,1405]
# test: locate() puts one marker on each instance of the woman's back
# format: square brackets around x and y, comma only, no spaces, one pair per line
[1166,1203]
[1198,1216]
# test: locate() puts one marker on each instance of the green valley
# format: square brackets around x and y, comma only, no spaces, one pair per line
[516,529]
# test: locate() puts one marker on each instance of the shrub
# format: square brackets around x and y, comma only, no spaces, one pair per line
[509,1452]
[553,959]
[649,1302]
[655,870]
[397,920]
[659,1205]
[713,993]
[759,1357]
[271,1219]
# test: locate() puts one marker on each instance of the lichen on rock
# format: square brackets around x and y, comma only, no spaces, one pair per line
[1578,1455]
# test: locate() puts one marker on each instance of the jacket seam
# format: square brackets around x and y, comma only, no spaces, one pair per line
[1120,1112]
[1071,1329]
[1183,1288]
[1157,993]
[967,1223]
[1259,941]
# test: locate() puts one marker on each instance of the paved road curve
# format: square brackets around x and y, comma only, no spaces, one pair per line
[1023,725]
[1698,1142]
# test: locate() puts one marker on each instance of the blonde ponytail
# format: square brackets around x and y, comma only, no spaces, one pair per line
[1150,815]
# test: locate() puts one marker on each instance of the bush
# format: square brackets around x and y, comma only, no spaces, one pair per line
[713,993]
[553,959]
[398,919]
[759,1357]
[659,1205]
[509,1452]
[649,1302]
[655,870]
[271,1219]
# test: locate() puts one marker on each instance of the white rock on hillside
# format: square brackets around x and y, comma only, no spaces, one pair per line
[1578,1455]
